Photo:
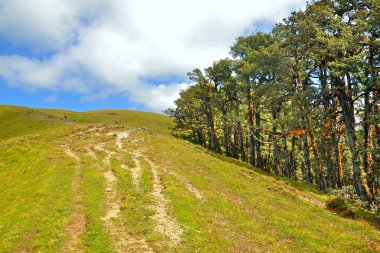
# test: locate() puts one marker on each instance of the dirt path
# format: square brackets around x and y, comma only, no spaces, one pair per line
[109,153]
[122,240]
[90,152]
[69,152]
[77,227]
[125,135]
[304,197]
[310,200]
[137,170]
[112,201]
[119,137]
[186,183]
[165,224]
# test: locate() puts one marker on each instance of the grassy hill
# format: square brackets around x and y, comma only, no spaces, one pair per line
[117,181]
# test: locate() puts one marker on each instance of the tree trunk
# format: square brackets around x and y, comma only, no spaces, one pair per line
[241,139]
[276,148]
[251,120]
[368,145]
[293,162]
[226,135]
[286,157]
[306,153]
[339,165]
[349,122]
[234,141]
[319,178]
[259,159]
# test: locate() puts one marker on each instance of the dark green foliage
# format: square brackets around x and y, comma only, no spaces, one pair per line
[347,200]
[302,101]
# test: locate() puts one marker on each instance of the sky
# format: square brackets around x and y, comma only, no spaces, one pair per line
[119,54]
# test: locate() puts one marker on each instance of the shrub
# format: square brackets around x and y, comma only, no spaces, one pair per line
[347,201]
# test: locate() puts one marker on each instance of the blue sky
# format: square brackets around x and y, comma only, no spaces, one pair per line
[118,54]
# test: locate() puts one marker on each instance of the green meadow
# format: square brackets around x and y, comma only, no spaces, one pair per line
[118,181]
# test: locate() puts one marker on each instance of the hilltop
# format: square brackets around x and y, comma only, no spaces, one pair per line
[118,181]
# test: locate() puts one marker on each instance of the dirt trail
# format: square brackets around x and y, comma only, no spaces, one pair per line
[303,197]
[125,135]
[128,243]
[109,153]
[165,224]
[90,152]
[112,202]
[119,137]
[186,183]
[137,170]
[122,240]
[95,129]
[311,200]
[69,152]
[77,227]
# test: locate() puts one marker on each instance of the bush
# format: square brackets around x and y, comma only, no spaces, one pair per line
[347,201]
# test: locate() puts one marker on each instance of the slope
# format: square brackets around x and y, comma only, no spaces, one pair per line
[117,181]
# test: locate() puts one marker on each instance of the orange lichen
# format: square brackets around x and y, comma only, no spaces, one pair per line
[297,132]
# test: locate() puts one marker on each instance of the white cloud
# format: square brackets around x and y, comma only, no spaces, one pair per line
[104,47]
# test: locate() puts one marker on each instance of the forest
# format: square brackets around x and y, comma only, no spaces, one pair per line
[301,101]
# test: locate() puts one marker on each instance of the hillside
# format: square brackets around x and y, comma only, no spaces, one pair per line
[117,181]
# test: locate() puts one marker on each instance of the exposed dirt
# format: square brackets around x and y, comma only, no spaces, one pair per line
[77,227]
[69,152]
[186,183]
[90,152]
[137,170]
[75,230]
[95,129]
[109,153]
[311,200]
[125,135]
[122,240]
[165,224]
[119,137]
[113,203]
[303,197]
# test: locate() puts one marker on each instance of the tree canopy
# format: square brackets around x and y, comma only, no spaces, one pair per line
[301,101]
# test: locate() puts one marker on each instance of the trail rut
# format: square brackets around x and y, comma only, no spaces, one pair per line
[165,224]
[186,183]
[77,227]
[137,170]
[122,240]
[109,153]
[112,203]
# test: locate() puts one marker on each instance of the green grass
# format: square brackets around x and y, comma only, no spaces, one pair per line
[255,213]
[96,238]
[18,121]
[35,193]
[242,210]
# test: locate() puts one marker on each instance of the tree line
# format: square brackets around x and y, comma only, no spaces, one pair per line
[301,101]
